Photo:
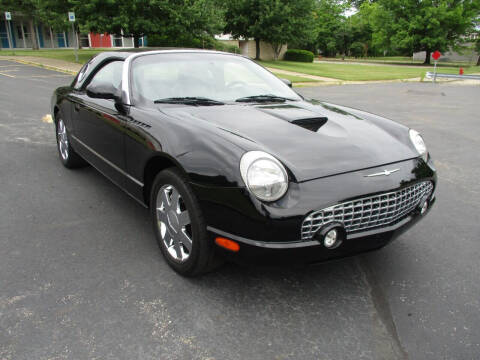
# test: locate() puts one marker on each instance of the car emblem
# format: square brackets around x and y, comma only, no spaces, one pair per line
[383,173]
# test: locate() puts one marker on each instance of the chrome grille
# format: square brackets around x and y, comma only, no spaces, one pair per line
[368,212]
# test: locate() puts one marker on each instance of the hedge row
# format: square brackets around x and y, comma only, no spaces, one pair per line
[299,55]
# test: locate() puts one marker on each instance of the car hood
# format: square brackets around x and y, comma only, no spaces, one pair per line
[312,139]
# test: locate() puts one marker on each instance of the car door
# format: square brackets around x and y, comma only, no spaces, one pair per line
[99,127]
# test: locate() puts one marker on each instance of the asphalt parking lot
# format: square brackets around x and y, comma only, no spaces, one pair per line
[81,276]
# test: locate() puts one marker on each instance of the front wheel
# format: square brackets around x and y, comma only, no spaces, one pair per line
[68,156]
[179,225]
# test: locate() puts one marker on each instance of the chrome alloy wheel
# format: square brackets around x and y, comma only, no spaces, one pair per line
[173,222]
[62,139]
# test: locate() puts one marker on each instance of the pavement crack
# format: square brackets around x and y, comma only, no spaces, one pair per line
[382,308]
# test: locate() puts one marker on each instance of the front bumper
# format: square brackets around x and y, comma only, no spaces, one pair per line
[274,230]
[305,252]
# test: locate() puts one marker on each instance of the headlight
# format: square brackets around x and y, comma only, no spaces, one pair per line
[419,144]
[264,175]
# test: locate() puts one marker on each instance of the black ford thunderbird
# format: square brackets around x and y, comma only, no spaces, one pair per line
[233,163]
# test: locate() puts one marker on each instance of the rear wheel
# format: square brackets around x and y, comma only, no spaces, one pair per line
[68,156]
[179,225]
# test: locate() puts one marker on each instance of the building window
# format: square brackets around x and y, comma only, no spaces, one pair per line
[84,40]
[117,41]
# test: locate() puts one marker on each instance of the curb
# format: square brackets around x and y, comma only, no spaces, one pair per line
[352,82]
[49,67]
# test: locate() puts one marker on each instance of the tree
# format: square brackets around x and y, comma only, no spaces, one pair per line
[285,21]
[477,36]
[129,18]
[356,49]
[329,28]
[194,21]
[371,26]
[175,20]
[429,25]
[359,3]
[477,49]
[242,19]
[274,21]
[361,33]
[54,13]
[344,37]
[25,7]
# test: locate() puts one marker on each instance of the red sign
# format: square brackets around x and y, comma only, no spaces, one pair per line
[436,55]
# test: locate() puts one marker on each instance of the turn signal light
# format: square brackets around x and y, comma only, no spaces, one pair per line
[227,244]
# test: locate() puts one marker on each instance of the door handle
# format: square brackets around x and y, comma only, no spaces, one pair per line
[76,107]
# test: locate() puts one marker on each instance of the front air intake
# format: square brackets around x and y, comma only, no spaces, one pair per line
[368,212]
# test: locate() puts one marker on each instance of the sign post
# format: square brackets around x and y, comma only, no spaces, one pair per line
[8,18]
[436,55]
[71,18]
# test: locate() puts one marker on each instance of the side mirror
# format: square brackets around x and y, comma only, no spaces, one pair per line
[287,82]
[102,91]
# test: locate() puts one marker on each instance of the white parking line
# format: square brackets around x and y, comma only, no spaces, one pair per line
[12,76]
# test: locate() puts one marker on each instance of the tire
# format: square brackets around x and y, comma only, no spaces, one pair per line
[179,225]
[68,156]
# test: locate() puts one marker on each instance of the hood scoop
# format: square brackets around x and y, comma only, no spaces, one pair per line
[312,124]
[302,117]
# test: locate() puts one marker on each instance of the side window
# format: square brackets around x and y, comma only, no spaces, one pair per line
[82,72]
[77,82]
[111,73]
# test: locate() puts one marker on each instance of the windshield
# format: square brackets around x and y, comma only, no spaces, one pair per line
[216,77]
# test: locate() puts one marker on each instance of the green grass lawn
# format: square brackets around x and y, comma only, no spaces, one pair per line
[68,54]
[358,72]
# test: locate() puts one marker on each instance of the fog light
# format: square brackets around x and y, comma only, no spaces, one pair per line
[423,207]
[331,235]
[330,239]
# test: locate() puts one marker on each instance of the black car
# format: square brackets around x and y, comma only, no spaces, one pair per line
[231,161]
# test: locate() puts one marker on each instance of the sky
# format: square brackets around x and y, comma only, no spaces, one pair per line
[350,12]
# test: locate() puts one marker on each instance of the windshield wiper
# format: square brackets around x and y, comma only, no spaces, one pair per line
[263,98]
[189,100]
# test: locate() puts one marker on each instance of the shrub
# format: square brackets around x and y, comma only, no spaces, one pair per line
[299,55]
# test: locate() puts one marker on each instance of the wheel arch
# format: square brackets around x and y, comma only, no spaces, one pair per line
[158,162]
[56,110]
